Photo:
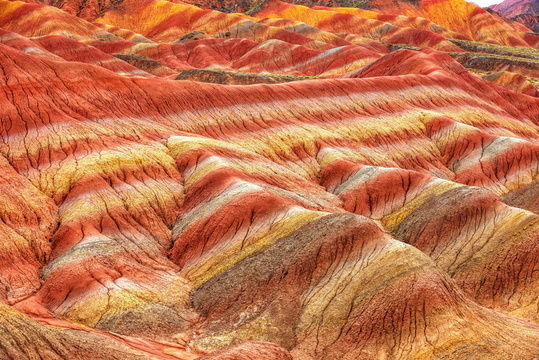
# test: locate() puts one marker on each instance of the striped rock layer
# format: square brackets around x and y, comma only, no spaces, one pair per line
[145,38]
[386,210]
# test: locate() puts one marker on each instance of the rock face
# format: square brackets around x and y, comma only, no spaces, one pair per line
[528,20]
[512,8]
[250,351]
[522,11]
[177,182]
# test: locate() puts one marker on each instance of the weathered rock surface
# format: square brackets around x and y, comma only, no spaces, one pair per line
[512,8]
[250,351]
[384,210]
[512,81]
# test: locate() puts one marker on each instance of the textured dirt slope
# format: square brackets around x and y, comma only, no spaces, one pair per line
[254,47]
[388,211]
[242,55]
[512,8]
[524,12]
[166,214]
[458,16]
[282,38]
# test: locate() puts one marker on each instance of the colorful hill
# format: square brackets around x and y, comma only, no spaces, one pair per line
[242,55]
[458,16]
[512,8]
[286,183]
[523,12]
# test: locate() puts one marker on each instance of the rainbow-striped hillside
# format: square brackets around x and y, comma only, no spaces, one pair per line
[266,180]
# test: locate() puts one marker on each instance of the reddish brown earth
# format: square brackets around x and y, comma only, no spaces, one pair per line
[512,8]
[522,11]
[515,82]
[528,20]
[325,182]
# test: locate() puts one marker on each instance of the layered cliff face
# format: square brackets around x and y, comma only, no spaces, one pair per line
[352,191]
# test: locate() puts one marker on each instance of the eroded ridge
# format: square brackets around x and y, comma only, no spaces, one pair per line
[386,210]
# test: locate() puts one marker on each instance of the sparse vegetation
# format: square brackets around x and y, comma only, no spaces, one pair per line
[395,47]
[513,59]
[513,51]
[295,77]
[254,7]
[232,77]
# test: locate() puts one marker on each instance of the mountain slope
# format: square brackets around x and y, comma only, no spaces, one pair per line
[385,209]
[512,8]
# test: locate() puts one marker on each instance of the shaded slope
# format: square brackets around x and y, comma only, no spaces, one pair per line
[26,223]
[528,20]
[333,310]
[24,338]
[524,198]
[477,254]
